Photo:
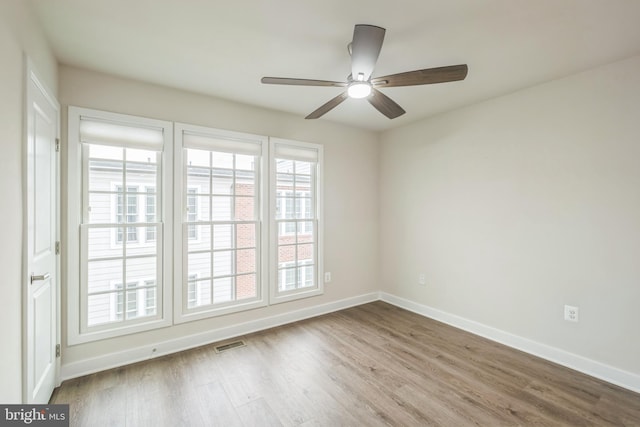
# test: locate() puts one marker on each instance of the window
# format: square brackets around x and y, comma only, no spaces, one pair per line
[296,240]
[221,187]
[118,165]
[224,222]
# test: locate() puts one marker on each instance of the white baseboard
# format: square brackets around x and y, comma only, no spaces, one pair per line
[121,358]
[590,367]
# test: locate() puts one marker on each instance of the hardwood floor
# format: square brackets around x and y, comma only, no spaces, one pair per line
[371,365]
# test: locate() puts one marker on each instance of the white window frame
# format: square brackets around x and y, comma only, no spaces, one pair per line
[295,150]
[77,330]
[181,312]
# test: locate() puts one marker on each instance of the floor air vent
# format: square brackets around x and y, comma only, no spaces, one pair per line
[229,346]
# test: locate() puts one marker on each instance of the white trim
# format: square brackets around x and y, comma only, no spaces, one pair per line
[113,360]
[573,361]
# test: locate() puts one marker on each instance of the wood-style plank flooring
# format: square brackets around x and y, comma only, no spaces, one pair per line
[371,365]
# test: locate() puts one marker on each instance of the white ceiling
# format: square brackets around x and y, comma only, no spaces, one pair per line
[223,48]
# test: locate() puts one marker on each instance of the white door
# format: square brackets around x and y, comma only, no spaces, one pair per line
[41,275]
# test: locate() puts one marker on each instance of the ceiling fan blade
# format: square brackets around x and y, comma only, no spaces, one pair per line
[325,108]
[365,49]
[423,77]
[300,82]
[384,104]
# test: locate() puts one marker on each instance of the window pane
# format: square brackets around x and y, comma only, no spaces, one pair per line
[222,290]
[303,168]
[222,236]
[222,263]
[132,304]
[198,179]
[199,237]
[246,236]
[102,275]
[141,156]
[198,293]
[222,160]
[244,208]
[151,233]
[284,166]
[199,265]
[305,276]
[150,302]
[150,204]
[246,261]
[306,254]
[101,243]
[105,152]
[221,209]
[143,248]
[197,158]
[305,232]
[286,255]
[141,174]
[246,286]
[285,182]
[141,269]
[247,163]
[287,279]
[102,309]
[100,206]
[197,208]
[102,173]
[222,182]
[245,184]
[286,233]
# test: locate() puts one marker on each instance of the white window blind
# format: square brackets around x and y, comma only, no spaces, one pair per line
[230,144]
[104,132]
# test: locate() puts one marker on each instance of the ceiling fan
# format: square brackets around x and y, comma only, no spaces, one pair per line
[364,50]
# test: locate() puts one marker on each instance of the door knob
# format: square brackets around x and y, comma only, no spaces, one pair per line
[44,276]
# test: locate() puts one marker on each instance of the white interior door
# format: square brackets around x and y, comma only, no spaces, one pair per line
[41,275]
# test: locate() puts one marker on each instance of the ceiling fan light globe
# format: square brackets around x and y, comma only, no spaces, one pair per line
[359,90]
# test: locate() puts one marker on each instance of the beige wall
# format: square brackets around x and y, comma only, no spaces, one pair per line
[521,204]
[18,34]
[351,199]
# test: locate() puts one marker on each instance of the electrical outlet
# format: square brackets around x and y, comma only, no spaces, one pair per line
[327,277]
[422,279]
[571,313]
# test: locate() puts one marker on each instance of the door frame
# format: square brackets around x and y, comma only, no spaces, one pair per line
[31,78]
